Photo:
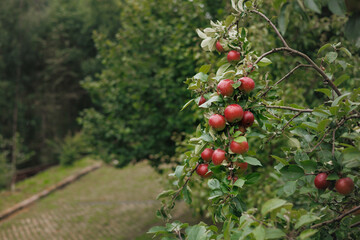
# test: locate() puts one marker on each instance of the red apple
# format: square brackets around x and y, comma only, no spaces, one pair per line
[225,87]
[207,154]
[202,100]
[219,47]
[202,170]
[247,84]
[248,119]
[320,181]
[233,56]
[218,156]
[344,185]
[233,113]
[239,148]
[242,166]
[217,122]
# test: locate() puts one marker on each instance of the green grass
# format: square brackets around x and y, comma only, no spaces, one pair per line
[39,182]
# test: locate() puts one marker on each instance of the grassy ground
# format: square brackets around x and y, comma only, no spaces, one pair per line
[105,204]
[31,186]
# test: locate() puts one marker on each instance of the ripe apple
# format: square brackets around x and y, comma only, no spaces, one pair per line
[202,100]
[218,156]
[233,113]
[233,56]
[239,148]
[225,87]
[321,182]
[344,185]
[248,119]
[217,122]
[247,84]
[202,170]
[242,166]
[207,154]
[219,47]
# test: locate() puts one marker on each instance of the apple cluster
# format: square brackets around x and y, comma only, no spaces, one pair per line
[232,116]
[343,186]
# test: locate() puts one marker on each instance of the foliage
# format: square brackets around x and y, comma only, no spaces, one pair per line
[138,92]
[276,198]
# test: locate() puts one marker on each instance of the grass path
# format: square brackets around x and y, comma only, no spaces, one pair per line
[106,204]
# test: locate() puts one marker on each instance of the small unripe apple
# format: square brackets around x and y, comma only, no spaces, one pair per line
[248,119]
[242,166]
[247,84]
[202,100]
[207,154]
[219,47]
[233,113]
[202,170]
[217,122]
[344,185]
[225,87]
[218,156]
[239,148]
[233,56]
[320,181]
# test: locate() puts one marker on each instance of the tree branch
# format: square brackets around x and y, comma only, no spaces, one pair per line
[283,128]
[272,25]
[337,218]
[284,77]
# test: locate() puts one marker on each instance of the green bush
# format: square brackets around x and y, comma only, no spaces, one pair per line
[72,149]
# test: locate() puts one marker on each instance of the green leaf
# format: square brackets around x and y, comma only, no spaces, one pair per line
[289,188]
[352,32]
[341,79]
[338,99]
[312,5]
[293,142]
[323,124]
[187,104]
[292,172]
[311,125]
[205,68]
[324,47]
[307,233]
[206,137]
[208,103]
[264,62]
[337,7]
[252,161]
[214,184]
[281,160]
[186,195]
[201,76]
[308,165]
[222,69]
[259,233]
[236,85]
[229,20]
[165,193]
[274,233]
[326,91]
[239,183]
[240,139]
[178,171]
[196,232]
[157,229]
[331,56]
[306,219]
[346,51]
[283,19]
[253,178]
[272,205]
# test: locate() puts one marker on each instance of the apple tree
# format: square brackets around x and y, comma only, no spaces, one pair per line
[309,187]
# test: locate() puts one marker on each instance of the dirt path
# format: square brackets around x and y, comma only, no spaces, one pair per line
[106,204]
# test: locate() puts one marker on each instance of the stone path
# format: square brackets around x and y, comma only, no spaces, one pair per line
[106,204]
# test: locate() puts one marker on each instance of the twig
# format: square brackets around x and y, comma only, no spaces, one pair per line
[355,225]
[283,128]
[289,108]
[185,183]
[321,140]
[337,218]
[284,77]
[179,234]
[272,25]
